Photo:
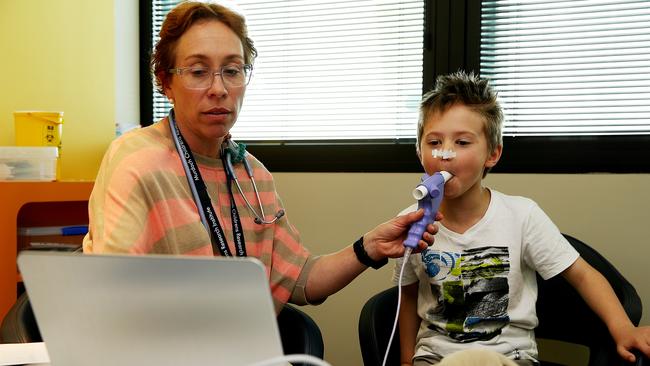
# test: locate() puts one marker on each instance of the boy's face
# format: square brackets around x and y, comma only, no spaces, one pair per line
[461,130]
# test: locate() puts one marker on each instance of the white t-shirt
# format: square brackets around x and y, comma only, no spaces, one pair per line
[480,286]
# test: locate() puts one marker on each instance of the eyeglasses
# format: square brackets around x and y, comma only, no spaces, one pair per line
[232,76]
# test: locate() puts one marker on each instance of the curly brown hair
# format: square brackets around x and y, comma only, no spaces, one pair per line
[179,20]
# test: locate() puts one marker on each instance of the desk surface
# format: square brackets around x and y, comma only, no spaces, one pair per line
[24,354]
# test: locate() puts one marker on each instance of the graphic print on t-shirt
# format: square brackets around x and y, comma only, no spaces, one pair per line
[471,289]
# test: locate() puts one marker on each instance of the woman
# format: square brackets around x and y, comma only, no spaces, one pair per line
[143,201]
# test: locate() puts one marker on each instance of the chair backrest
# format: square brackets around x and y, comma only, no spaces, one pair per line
[375,325]
[19,324]
[564,316]
[299,333]
[562,313]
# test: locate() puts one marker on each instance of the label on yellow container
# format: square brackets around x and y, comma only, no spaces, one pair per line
[37,128]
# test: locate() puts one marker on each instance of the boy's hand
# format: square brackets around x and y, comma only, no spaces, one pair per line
[635,338]
[601,298]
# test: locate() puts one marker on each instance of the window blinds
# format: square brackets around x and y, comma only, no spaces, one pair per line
[159,8]
[328,69]
[576,67]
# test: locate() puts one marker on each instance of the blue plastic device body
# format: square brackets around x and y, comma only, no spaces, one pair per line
[430,202]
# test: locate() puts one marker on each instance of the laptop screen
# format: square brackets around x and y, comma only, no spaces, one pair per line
[151,310]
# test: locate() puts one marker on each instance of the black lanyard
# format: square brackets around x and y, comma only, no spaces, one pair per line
[217,235]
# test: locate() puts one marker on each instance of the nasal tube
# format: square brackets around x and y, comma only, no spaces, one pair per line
[429,194]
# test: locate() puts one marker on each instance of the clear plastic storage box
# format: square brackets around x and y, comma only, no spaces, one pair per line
[29,163]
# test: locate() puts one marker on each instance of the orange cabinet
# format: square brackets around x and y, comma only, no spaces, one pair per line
[24,204]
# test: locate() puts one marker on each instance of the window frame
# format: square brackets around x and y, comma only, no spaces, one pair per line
[451,42]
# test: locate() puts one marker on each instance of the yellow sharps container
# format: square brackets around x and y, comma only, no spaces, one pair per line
[36,128]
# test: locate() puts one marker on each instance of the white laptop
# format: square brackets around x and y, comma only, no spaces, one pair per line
[151,310]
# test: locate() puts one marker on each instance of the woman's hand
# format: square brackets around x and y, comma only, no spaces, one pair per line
[387,239]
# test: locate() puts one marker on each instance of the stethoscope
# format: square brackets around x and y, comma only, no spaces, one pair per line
[228,148]
[241,148]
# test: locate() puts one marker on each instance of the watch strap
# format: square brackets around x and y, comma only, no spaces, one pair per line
[364,258]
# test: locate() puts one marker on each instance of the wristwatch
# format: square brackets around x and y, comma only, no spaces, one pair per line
[364,258]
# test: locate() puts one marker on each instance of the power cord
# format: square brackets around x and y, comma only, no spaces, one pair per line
[282,360]
[407,253]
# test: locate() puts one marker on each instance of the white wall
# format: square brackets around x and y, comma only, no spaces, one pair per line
[127,75]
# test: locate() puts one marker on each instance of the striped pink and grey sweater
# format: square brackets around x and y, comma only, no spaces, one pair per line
[141,203]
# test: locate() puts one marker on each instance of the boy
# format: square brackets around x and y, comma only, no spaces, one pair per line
[476,287]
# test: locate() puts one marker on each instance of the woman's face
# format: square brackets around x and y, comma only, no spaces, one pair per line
[205,116]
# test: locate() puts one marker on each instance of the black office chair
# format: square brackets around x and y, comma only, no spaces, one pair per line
[19,324]
[375,324]
[564,316]
[299,333]
[562,313]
